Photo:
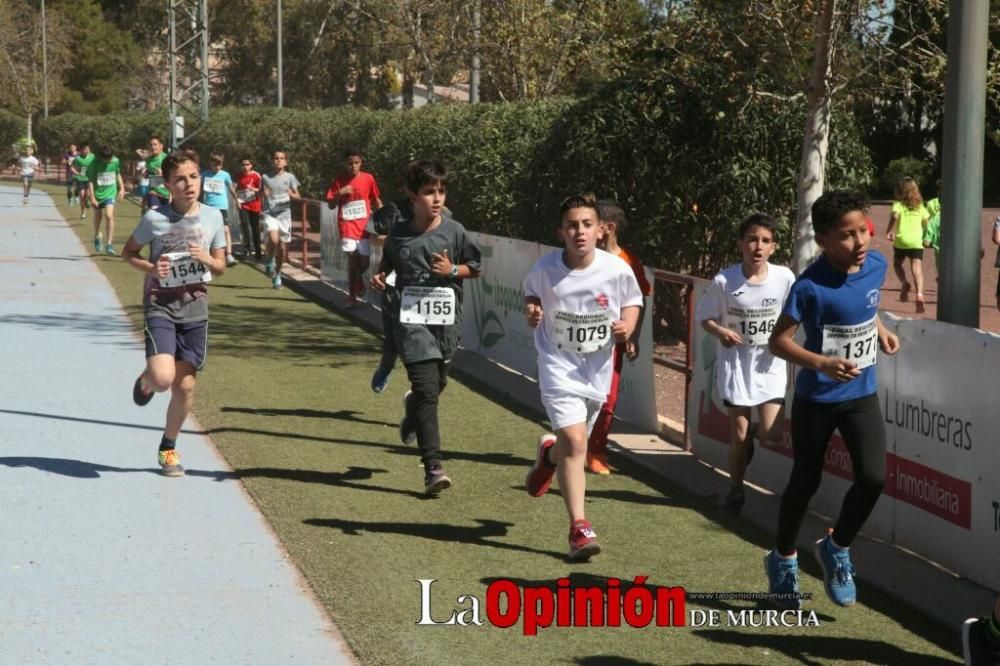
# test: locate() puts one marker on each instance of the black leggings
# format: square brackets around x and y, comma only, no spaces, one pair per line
[250,231]
[427,380]
[860,424]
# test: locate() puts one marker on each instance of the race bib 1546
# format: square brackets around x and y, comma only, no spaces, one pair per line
[753,324]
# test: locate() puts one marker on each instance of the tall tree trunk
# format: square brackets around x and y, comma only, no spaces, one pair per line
[816,138]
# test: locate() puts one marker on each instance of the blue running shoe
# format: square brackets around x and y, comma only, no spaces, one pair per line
[269,268]
[380,379]
[276,282]
[783,580]
[838,571]
[97,244]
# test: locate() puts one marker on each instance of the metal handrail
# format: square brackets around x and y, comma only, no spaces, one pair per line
[689,282]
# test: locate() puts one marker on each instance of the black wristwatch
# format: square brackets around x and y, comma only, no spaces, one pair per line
[454,271]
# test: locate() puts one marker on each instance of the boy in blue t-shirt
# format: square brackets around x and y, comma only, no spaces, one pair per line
[216,186]
[835,301]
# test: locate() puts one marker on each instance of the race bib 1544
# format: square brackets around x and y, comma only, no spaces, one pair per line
[184,269]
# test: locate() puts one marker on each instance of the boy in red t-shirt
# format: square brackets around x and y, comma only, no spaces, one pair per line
[612,218]
[355,195]
[248,194]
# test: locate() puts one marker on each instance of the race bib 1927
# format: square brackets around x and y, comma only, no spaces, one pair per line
[857,344]
[184,269]
[753,324]
[354,210]
[427,305]
[582,333]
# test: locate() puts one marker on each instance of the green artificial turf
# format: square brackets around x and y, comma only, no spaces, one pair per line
[286,398]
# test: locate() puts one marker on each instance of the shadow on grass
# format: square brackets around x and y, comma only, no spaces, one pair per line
[73,321]
[820,650]
[477,536]
[877,601]
[342,415]
[623,496]
[608,660]
[80,469]
[69,258]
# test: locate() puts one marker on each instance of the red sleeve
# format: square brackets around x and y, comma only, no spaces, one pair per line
[640,276]
[637,270]
[375,194]
[331,192]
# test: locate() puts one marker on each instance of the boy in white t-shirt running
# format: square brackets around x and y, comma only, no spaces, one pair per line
[27,163]
[579,301]
[740,310]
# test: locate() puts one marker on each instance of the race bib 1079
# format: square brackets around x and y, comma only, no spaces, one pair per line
[582,333]
[427,305]
[857,344]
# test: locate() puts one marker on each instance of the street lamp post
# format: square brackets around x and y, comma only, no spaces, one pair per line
[281,84]
[45,66]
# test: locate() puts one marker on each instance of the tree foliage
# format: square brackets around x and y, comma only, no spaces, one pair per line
[22,76]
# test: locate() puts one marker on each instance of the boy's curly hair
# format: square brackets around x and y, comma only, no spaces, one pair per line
[832,206]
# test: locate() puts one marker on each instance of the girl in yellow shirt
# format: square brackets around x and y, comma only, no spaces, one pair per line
[909,219]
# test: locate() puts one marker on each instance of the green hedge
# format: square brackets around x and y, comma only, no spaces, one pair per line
[658,149]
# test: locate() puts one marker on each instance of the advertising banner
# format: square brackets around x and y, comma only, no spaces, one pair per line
[942,489]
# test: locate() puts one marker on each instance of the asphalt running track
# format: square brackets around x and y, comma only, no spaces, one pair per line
[102,559]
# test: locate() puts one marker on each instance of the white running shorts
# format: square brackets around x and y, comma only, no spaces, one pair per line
[567,410]
[280,224]
[362,246]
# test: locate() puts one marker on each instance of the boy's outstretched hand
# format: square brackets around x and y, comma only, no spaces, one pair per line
[619,329]
[533,313]
[377,282]
[889,342]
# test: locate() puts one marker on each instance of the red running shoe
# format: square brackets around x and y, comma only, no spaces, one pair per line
[540,476]
[582,541]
